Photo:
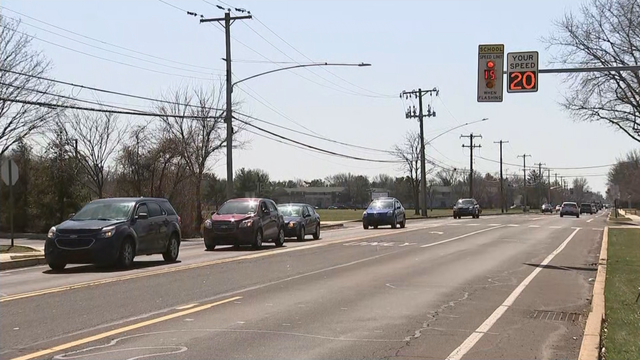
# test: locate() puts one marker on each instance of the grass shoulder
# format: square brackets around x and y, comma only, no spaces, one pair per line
[16,249]
[621,291]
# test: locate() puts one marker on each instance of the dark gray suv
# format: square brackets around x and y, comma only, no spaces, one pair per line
[113,232]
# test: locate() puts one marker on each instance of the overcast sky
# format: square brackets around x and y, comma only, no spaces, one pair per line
[410,44]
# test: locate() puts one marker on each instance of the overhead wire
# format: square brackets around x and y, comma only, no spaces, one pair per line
[120,53]
[109,60]
[105,42]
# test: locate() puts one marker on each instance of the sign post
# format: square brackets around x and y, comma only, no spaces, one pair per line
[9,174]
[522,71]
[490,69]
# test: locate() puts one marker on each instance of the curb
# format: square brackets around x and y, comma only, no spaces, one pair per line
[21,263]
[590,348]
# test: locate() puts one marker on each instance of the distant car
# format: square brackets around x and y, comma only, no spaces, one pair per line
[558,207]
[466,207]
[586,208]
[113,232]
[546,208]
[300,220]
[569,208]
[245,221]
[384,211]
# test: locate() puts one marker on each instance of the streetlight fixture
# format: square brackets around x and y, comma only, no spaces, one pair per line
[229,111]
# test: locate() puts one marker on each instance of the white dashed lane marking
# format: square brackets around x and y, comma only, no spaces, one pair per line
[534,226]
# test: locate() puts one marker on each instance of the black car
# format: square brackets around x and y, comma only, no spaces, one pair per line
[245,221]
[113,232]
[466,207]
[384,211]
[300,220]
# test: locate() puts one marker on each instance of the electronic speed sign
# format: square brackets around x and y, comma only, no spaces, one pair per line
[490,69]
[522,71]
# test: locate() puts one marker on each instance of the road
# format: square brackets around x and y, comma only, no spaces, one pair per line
[498,287]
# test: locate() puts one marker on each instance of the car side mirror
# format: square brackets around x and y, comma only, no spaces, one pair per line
[306,215]
[266,211]
[212,213]
[72,215]
[142,216]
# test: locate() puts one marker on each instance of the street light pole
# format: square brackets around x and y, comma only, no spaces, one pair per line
[229,108]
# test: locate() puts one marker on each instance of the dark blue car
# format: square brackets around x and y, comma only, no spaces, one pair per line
[300,220]
[384,211]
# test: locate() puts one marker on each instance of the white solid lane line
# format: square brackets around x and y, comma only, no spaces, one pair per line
[464,348]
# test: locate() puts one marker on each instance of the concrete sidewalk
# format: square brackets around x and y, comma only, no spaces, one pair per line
[634,218]
[19,260]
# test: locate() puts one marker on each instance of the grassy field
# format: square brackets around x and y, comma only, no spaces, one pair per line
[348,215]
[4,249]
[621,290]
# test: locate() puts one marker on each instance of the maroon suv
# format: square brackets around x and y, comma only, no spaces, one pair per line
[244,222]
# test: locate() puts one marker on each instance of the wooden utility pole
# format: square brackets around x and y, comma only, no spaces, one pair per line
[420,115]
[226,22]
[524,179]
[540,180]
[471,146]
[502,204]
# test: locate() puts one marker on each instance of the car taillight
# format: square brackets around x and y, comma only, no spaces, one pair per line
[179,220]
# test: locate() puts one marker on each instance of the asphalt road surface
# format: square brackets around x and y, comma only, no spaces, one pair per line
[498,287]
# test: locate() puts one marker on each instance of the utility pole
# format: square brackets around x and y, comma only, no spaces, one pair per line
[471,146]
[409,114]
[540,179]
[502,205]
[524,182]
[549,186]
[226,22]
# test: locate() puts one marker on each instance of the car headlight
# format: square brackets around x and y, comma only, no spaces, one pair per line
[208,224]
[292,224]
[108,232]
[364,214]
[52,232]
[246,223]
[390,213]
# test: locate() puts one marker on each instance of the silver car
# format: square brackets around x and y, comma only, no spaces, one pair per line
[569,208]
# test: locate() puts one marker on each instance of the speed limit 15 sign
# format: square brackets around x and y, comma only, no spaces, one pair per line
[522,71]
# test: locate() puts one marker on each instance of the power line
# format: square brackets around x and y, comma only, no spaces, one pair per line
[314,147]
[99,89]
[107,59]
[116,52]
[149,114]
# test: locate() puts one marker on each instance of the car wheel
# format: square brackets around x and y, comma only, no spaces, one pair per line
[578,216]
[173,249]
[316,235]
[365,226]
[57,266]
[280,239]
[210,247]
[257,242]
[126,255]
[301,234]
[561,215]
[403,223]
[375,226]
[394,224]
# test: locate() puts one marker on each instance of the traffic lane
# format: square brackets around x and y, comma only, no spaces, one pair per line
[85,308]
[191,252]
[558,318]
[561,286]
[372,309]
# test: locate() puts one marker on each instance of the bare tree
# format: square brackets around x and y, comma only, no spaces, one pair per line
[409,153]
[19,63]
[199,131]
[580,188]
[605,33]
[97,136]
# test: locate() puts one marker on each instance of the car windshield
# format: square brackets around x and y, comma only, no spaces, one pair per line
[290,210]
[238,207]
[106,211]
[571,205]
[381,204]
[465,202]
